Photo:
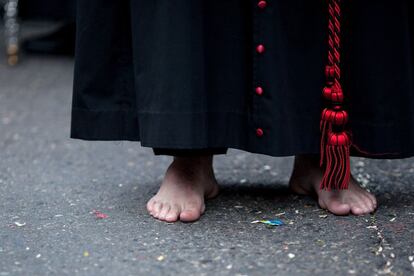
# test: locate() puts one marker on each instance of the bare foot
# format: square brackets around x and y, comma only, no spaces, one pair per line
[187,182]
[306,178]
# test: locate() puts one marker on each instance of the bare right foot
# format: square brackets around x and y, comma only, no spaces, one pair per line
[186,184]
[306,178]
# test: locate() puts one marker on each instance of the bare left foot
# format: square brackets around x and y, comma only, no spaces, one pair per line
[188,181]
[306,178]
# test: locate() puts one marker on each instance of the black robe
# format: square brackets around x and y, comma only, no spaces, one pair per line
[182,75]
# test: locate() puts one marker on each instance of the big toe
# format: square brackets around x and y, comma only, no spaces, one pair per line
[336,207]
[189,215]
[191,212]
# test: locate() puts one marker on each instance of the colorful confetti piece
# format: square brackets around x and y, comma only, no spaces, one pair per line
[272,222]
[99,215]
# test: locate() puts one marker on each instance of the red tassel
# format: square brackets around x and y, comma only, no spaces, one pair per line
[325,127]
[335,147]
[338,170]
[329,117]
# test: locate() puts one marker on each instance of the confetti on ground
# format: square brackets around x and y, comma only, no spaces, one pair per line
[160,258]
[291,255]
[99,215]
[320,242]
[20,224]
[323,216]
[86,254]
[272,222]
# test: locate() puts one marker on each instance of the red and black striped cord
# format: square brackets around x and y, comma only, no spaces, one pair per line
[335,140]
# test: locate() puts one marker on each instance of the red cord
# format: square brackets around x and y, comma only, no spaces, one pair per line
[335,145]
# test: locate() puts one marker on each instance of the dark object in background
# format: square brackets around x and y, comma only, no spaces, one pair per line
[62,40]
[62,10]
[58,42]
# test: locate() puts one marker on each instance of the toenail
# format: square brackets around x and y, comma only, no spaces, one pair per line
[357,211]
[172,218]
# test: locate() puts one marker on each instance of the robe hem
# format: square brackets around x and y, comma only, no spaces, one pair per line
[123,125]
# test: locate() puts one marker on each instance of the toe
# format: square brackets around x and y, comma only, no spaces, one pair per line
[189,215]
[338,208]
[157,209]
[373,200]
[164,211]
[203,209]
[150,205]
[322,204]
[368,203]
[371,196]
[370,207]
[356,210]
[375,204]
[173,214]
[191,212]
[360,206]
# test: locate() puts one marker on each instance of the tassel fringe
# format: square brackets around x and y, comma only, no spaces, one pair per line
[325,127]
[338,170]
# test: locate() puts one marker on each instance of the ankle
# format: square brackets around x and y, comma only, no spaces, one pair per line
[194,161]
[308,159]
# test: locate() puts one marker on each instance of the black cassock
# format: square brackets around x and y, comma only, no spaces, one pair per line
[187,75]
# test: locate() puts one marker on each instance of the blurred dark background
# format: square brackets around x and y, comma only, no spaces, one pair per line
[51,24]
[59,10]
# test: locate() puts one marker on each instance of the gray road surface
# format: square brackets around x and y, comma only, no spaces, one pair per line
[50,185]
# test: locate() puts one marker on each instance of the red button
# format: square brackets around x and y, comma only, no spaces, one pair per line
[259,90]
[259,132]
[260,48]
[262,4]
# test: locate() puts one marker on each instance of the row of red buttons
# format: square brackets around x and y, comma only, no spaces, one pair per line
[260,49]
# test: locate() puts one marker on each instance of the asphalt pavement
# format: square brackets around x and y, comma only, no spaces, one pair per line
[72,207]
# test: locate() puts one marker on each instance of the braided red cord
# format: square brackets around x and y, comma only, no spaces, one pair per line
[334,41]
[336,142]
[333,70]
[334,145]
